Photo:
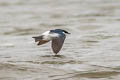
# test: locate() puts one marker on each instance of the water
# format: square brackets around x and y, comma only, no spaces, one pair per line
[91,52]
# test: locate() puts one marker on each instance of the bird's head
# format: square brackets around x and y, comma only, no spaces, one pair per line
[60,30]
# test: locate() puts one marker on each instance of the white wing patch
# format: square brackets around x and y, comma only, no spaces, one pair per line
[49,36]
[53,35]
[46,33]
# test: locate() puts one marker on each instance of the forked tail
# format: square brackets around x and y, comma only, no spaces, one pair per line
[37,38]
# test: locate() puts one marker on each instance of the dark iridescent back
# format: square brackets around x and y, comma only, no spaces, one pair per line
[57,31]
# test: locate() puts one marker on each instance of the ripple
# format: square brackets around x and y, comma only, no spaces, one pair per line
[62,62]
[53,56]
[7,45]
[7,78]
[20,31]
[101,74]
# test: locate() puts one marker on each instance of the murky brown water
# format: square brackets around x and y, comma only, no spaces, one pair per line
[91,52]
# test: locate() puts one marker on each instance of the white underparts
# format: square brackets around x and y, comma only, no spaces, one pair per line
[49,36]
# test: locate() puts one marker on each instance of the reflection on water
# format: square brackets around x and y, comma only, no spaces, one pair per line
[54,56]
[91,52]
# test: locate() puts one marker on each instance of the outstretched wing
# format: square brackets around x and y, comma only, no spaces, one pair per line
[57,43]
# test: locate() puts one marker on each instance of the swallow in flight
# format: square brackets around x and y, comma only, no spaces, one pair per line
[57,36]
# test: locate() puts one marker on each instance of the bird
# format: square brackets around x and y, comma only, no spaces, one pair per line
[57,36]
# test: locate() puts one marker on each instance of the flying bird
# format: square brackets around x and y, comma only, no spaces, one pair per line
[57,36]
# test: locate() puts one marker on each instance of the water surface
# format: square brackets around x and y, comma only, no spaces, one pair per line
[91,52]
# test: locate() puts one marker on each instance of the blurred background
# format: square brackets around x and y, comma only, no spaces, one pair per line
[91,52]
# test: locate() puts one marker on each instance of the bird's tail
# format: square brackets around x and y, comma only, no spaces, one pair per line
[37,38]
